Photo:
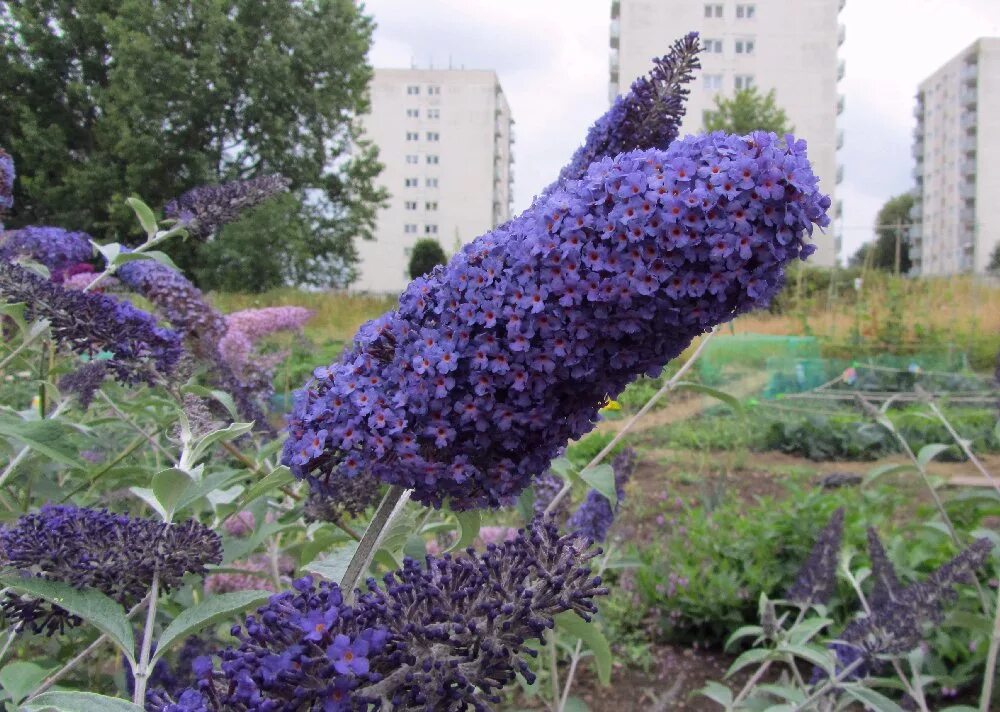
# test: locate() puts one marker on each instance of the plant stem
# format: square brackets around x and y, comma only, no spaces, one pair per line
[15,629]
[31,338]
[135,426]
[59,674]
[141,671]
[23,452]
[830,684]
[393,503]
[976,462]
[554,670]
[667,387]
[991,661]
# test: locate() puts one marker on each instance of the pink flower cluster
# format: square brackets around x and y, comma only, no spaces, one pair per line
[247,327]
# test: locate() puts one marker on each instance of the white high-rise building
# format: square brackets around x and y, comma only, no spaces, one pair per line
[787,45]
[445,139]
[956,146]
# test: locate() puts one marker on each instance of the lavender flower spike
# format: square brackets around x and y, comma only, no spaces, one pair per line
[595,515]
[445,636]
[817,579]
[6,182]
[649,116]
[91,323]
[493,362]
[90,548]
[203,210]
[53,247]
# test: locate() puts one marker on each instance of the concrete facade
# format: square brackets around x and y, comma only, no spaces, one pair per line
[956,149]
[790,46]
[445,138]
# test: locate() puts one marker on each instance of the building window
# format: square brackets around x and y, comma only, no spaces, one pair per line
[413,113]
[412,90]
[412,136]
[411,204]
[434,113]
[433,136]
[744,46]
[412,183]
[410,228]
[432,183]
[713,82]
[713,10]
[431,205]
[746,12]
[430,229]
[712,46]
[432,160]
[412,159]
[743,81]
[433,90]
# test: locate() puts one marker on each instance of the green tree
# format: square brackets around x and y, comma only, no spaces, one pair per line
[747,111]
[426,255]
[100,99]
[994,265]
[891,226]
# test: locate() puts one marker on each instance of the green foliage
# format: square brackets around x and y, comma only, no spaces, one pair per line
[747,111]
[100,100]
[891,226]
[426,255]
[994,265]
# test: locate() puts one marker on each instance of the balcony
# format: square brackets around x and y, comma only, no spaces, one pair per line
[915,253]
[841,34]
[841,69]
[840,104]
[616,33]
[968,97]
[969,120]
[969,74]
[918,171]
[840,139]
[840,174]
[967,191]
[915,212]
[967,215]
[915,231]
[616,9]
[968,144]
[918,110]
[841,6]
[918,132]
[918,151]
[969,168]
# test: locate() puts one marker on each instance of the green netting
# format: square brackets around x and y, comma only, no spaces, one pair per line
[728,357]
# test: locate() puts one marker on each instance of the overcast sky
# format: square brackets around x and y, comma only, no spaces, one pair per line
[552,60]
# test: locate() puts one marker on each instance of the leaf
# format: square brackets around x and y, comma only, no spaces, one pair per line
[415,547]
[214,609]
[333,565]
[169,487]
[147,496]
[820,657]
[749,657]
[717,692]
[78,702]
[870,698]
[592,638]
[808,629]
[48,437]
[146,217]
[881,470]
[211,483]
[20,677]
[562,467]
[278,477]
[227,434]
[468,529]
[90,604]
[729,400]
[792,694]
[744,632]
[575,704]
[929,452]
[602,479]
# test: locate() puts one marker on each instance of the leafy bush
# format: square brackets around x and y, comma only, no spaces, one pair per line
[427,254]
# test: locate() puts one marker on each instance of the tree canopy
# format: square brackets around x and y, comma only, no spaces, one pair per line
[891,223]
[747,111]
[102,99]
[426,255]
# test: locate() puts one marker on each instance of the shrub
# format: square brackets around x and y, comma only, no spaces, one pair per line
[426,255]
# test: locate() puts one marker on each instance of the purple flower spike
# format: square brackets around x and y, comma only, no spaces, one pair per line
[6,181]
[53,247]
[596,514]
[492,363]
[649,116]
[203,210]
[90,548]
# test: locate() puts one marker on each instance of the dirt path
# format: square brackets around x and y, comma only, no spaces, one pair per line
[679,408]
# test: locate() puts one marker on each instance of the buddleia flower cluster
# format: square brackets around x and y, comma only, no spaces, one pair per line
[203,210]
[6,181]
[899,614]
[816,581]
[648,116]
[244,329]
[91,548]
[446,635]
[53,247]
[594,516]
[545,487]
[141,351]
[492,363]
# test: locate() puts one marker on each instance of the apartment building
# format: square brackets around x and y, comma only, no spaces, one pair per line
[790,46]
[956,147]
[445,138]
